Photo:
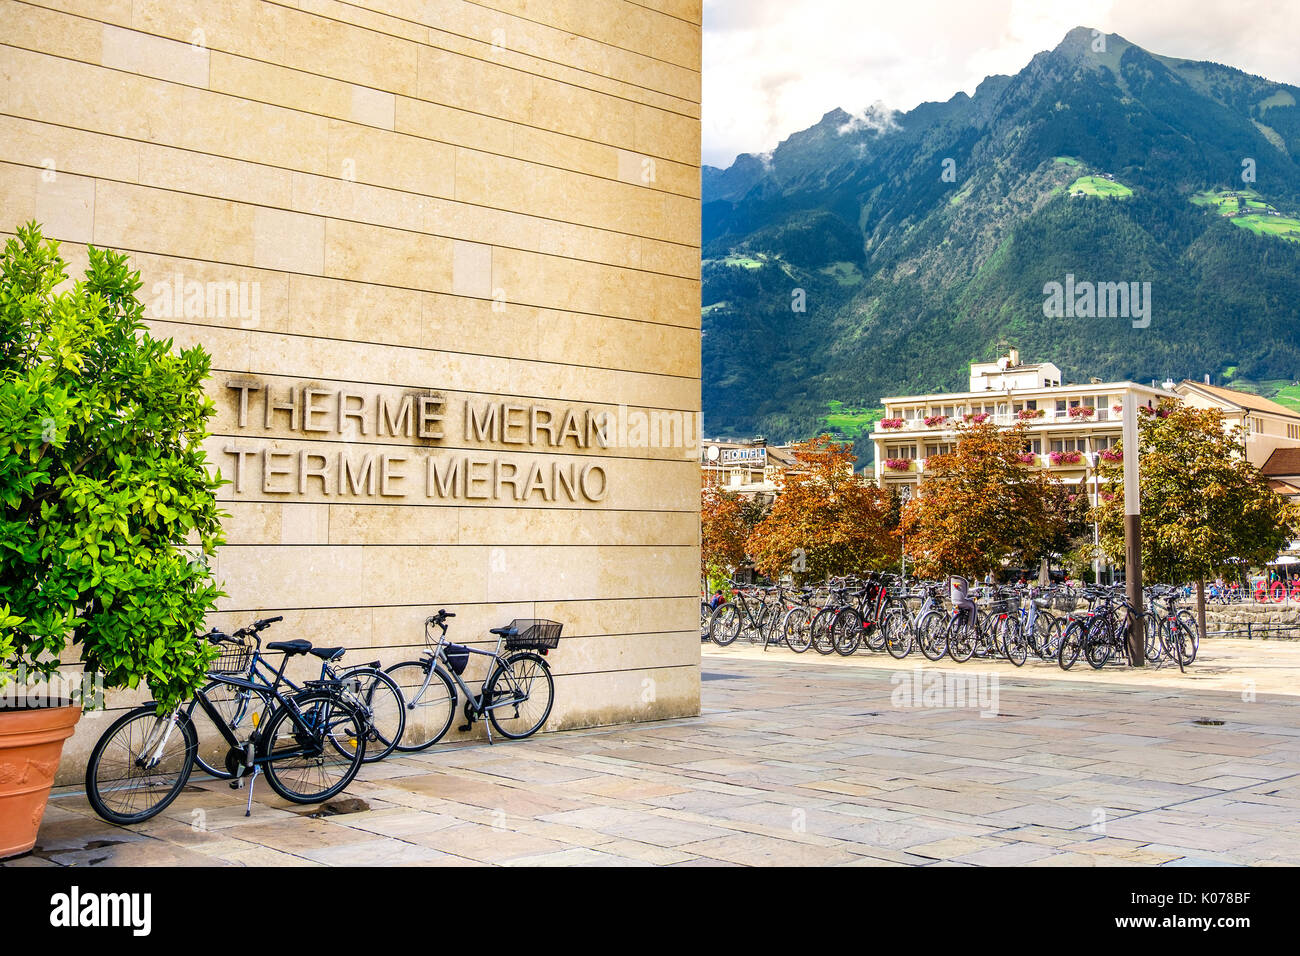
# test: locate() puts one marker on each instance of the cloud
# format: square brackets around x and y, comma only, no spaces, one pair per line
[772,67]
[877,118]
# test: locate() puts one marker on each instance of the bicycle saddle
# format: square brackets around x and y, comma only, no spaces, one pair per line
[290,647]
[503,631]
[327,653]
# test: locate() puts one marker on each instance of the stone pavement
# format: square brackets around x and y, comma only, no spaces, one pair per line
[806,760]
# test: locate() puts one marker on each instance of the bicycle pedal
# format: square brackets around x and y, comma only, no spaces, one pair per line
[463,727]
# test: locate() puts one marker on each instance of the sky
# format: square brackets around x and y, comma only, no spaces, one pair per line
[773,67]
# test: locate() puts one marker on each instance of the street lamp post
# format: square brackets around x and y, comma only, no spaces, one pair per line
[1133,530]
[906,494]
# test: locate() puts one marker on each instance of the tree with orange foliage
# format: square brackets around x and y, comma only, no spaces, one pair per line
[726,520]
[827,520]
[980,507]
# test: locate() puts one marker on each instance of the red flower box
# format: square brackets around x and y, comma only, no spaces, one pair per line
[935,419]
[1025,414]
[891,423]
[1112,454]
[1082,411]
[898,464]
[1066,457]
[1028,458]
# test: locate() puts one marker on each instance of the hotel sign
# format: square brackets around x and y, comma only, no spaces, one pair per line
[750,456]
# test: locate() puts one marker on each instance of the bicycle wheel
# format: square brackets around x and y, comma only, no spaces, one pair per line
[798,630]
[1071,645]
[387,709]
[874,636]
[1051,639]
[897,629]
[519,695]
[319,758]
[429,700]
[1151,638]
[724,626]
[139,765]
[1187,620]
[240,708]
[1014,644]
[1181,642]
[823,641]
[962,637]
[932,635]
[846,631]
[1098,643]
[768,617]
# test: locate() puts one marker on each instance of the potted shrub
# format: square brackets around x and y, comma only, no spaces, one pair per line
[109,512]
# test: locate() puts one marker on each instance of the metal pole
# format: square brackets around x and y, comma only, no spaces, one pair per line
[1133,530]
[1093,501]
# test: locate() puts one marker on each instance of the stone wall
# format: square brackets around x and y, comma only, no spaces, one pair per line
[462,206]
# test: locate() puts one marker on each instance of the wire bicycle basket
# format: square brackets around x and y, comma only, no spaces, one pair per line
[533,634]
[233,659]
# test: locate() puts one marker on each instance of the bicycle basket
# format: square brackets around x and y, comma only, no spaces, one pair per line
[529,633]
[233,659]
[457,657]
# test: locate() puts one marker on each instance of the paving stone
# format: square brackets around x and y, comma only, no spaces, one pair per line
[804,762]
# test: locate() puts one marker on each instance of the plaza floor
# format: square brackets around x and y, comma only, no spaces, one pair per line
[808,761]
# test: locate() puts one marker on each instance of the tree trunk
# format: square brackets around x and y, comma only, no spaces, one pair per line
[1200,606]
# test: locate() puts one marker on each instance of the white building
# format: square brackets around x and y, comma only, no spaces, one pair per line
[1069,425]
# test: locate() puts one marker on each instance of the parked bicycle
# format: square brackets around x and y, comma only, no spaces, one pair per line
[516,696]
[378,696]
[310,747]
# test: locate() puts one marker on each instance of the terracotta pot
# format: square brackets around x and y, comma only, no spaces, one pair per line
[31,742]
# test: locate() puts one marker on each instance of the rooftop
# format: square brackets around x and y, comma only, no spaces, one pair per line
[1283,462]
[1246,400]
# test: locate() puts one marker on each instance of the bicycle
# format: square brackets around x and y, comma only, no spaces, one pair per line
[744,612]
[379,697]
[310,748]
[516,697]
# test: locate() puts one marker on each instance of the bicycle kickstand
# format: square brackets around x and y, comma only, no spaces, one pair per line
[248,811]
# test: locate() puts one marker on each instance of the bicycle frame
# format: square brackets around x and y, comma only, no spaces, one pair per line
[437,658]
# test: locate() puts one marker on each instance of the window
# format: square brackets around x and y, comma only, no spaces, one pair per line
[1104,441]
[1069,444]
[941,449]
[1032,403]
[1060,406]
[1034,445]
[900,451]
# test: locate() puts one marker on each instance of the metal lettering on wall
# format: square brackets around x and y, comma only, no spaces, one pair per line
[343,416]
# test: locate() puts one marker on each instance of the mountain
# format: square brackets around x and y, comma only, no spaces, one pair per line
[917,242]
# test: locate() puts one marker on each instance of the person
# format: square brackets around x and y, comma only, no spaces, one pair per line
[716,601]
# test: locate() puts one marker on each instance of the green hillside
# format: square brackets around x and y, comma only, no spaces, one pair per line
[1099,186]
[906,274]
